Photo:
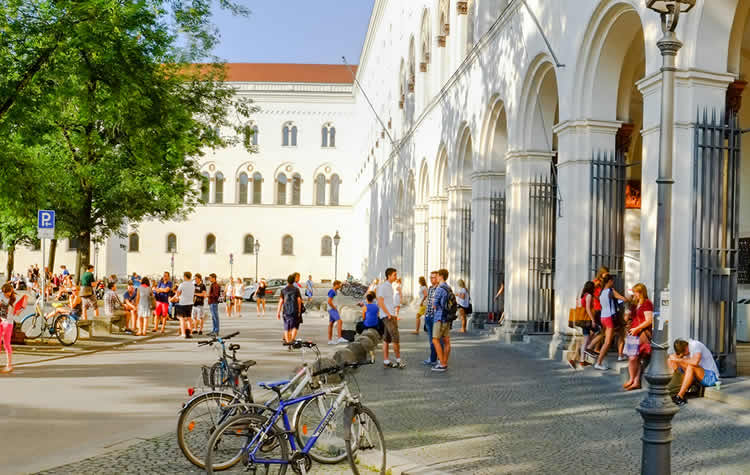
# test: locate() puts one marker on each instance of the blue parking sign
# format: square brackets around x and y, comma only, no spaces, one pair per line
[46,219]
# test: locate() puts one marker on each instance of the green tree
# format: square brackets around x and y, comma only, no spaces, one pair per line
[14,232]
[110,128]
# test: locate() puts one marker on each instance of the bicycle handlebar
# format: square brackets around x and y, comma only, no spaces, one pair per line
[340,368]
[217,338]
[297,344]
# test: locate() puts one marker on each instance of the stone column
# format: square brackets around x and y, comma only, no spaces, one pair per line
[483,185]
[437,207]
[458,197]
[420,227]
[522,167]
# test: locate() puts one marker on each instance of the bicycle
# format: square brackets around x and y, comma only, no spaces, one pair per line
[64,327]
[245,435]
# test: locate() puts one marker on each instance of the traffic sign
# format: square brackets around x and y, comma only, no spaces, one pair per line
[46,224]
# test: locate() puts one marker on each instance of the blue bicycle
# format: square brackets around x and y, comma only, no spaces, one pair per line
[265,448]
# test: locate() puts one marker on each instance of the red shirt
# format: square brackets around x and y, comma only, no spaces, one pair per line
[597,292]
[640,313]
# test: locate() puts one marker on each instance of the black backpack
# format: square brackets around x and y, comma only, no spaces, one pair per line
[450,308]
[290,301]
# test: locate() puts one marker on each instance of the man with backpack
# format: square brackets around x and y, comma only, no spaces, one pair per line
[290,303]
[388,316]
[445,312]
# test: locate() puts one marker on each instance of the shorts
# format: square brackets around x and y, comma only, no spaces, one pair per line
[390,334]
[422,310]
[183,311]
[333,315]
[237,297]
[162,309]
[709,378]
[291,323]
[440,330]
[608,322]
[198,312]
[308,293]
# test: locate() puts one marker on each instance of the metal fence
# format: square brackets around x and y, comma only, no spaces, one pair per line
[496,277]
[464,244]
[542,228]
[715,233]
[607,217]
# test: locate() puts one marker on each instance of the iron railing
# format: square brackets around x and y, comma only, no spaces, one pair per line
[542,229]
[496,267]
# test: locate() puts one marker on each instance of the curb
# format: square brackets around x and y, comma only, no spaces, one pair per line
[729,399]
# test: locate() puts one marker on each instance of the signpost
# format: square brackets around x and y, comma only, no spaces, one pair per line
[45,220]
[231,265]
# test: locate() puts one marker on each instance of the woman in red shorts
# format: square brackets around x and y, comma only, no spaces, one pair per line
[641,327]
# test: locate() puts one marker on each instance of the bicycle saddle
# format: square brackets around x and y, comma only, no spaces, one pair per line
[273,384]
[242,365]
[234,346]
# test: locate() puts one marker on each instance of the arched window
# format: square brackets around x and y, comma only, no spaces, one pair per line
[328,136]
[287,246]
[326,246]
[289,135]
[219,188]
[249,244]
[205,187]
[133,242]
[296,189]
[210,244]
[257,183]
[335,182]
[254,137]
[171,243]
[281,189]
[243,188]
[332,136]
[320,190]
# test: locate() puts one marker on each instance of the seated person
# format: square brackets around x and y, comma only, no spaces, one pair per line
[370,315]
[74,308]
[694,362]
[113,307]
[128,303]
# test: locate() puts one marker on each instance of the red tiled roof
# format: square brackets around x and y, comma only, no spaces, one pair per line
[270,72]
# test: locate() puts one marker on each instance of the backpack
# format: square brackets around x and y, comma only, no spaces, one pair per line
[450,308]
[290,301]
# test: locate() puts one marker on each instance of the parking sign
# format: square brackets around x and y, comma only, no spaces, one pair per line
[46,224]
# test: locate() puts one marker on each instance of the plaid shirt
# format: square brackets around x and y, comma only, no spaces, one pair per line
[430,302]
[111,303]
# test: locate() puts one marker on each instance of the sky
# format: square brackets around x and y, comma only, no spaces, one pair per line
[294,31]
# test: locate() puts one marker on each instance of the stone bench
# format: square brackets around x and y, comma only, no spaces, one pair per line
[100,326]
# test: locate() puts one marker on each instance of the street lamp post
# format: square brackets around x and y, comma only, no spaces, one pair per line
[171,264]
[336,241]
[257,249]
[657,409]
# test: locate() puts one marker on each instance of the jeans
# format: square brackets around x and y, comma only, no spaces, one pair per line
[429,322]
[214,308]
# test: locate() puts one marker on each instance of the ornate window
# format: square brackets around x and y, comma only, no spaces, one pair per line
[328,133]
[257,183]
[205,187]
[219,188]
[254,137]
[289,135]
[326,246]
[320,190]
[296,189]
[133,242]
[74,243]
[281,189]
[287,245]
[242,198]
[210,244]
[171,243]
[335,182]
[249,244]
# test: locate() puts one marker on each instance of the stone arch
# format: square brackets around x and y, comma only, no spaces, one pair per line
[464,165]
[424,182]
[494,142]
[737,37]
[539,106]
[441,173]
[425,57]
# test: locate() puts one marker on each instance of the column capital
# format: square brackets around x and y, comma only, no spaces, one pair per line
[651,84]
[530,155]
[578,126]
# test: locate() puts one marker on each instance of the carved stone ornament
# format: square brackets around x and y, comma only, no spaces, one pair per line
[377,143]
[734,96]
[441,41]
[447,29]
[250,167]
[401,103]
[422,67]
[390,125]
[288,168]
[462,7]
[410,85]
[212,167]
[328,169]
[382,134]
[623,137]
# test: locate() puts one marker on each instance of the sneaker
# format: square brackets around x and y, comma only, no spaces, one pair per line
[429,363]
[200,332]
[601,367]
[572,364]
[331,342]
[342,340]
[187,333]
[387,364]
[438,368]
[679,401]
[622,358]
[399,365]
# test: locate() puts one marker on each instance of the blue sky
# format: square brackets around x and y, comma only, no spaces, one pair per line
[294,31]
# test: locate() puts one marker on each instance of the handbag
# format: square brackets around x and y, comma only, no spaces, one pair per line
[469,309]
[577,317]
[631,345]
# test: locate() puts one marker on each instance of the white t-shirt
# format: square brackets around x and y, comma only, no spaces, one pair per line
[187,293]
[707,360]
[604,300]
[385,290]
[462,302]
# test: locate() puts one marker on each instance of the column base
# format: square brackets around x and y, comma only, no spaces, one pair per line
[514,332]
[476,321]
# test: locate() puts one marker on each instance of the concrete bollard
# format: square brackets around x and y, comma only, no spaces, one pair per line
[344,355]
[373,335]
[360,354]
[366,342]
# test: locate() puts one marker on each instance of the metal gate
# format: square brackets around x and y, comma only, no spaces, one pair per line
[542,227]
[607,217]
[464,244]
[715,233]
[495,307]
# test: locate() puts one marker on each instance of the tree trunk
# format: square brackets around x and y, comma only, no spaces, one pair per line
[11,261]
[52,250]
[83,255]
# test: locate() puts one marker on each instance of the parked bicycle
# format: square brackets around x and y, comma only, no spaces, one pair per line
[248,436]
[36,325]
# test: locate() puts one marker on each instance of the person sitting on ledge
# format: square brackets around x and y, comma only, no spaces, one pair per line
[694,361]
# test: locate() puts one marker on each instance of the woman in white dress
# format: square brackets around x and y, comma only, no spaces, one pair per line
[229,297]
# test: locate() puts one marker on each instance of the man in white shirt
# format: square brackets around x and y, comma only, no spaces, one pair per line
[695,360]
[386,302]
[183,299]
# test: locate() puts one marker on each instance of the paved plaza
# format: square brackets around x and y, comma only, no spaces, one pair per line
[499,409]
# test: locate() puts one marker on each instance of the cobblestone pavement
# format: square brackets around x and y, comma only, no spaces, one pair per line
[500,409]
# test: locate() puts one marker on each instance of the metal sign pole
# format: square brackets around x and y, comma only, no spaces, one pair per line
[44,274]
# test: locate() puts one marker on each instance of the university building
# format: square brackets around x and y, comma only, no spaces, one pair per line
[512,142]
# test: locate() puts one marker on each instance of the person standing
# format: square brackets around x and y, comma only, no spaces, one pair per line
[386,302]
[260,297]
[290,302]
[183,300]
[397,298]
[162,292]
[7,299]
[462,299]
[213,303]
[640,327]
[198,299]
[422,295]
[238,289]
[88,281]
[429,319]
[334,319]
[441,337]
[607,301]
[309,289]
[143,304]
[229,296]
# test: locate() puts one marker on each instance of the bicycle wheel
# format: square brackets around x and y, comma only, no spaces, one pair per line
[197,422]
[231,441]
[66,330]
[32,326]
[367,445]
[330,447]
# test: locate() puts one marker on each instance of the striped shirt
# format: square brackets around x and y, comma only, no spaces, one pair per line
[430,296]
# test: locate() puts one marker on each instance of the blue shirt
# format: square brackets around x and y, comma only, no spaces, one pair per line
[66,272]
[331,295]
[129,297]
[163,296]
[371,315]
[441,295]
